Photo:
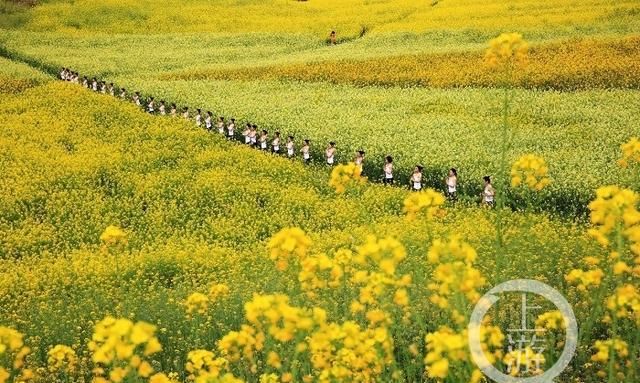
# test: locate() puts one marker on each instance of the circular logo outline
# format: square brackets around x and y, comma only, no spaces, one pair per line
[531,286]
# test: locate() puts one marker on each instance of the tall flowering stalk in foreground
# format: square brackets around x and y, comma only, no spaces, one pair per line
[454,286]
[615,220]
[506,54]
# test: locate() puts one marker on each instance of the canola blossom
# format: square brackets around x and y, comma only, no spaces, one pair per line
[136,248]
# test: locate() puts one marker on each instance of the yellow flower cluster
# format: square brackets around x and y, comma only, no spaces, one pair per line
[201,363]
[287,243]
[614,211]
[375,265]
[524,360]
[13,352]
[455,275]
[530,170]
[347,353]
[197,303]
[121,345]
[344,175]
[630,153]
[241,344]
[507,50]
[585,279]
[427,202]
[113,235]
[274,314]
[604,347]
[551,320]
[218,291]
[446,348]
[61,358]
[625,303]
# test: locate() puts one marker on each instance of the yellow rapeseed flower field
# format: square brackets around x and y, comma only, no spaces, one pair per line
[137,248]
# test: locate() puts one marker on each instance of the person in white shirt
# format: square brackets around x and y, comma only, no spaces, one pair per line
[306,151]
[208,123]
[416,178]
[112,90]
[245,134]
[290,147]
[123,93]
[185,113]
[264,136]
[488,193]
[199,118]
[253,133]
[275,143]
[221,125]
[103,87]
[136,98]
[231,129]
[85,82]
[151,106]
[452,184]
[359,160]
[174,110]
[94,84]
[63,74]
[388,170]
[330,153]
[161,108]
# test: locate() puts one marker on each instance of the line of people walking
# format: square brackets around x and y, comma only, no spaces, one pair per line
[261,140]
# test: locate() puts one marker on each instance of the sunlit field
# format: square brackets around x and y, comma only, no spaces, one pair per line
[142,248]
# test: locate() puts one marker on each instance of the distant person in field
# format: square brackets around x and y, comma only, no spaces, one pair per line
[264,136]
[221,125]
[452,184]
[75,78]
[94,84]
[199,118]
[231,129]
[136,98]
[103,87]
[162,109]
[416,178]
[85,81]
[185,113]
[123,93]
[245,133]
[388,170]
[63,73]
[332,38]
[488,193]
[253,135]
[174,110]
[359,160]
[306,151]
[208,123]
[275,143]
[290,147]
[330,153]
[151,106]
